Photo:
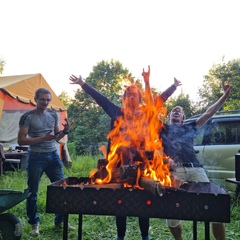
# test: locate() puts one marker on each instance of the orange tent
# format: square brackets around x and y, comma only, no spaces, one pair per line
[17,97]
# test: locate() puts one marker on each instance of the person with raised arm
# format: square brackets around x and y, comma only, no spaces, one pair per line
[131,101]
[177,138]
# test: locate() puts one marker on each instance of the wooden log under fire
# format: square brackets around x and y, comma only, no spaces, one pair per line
[156,188]
[102,173]
[152,186]
[128,174]
[129,155]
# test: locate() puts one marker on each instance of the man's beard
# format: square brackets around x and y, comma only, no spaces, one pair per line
[176,120]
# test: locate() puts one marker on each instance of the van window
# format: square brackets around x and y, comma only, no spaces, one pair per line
[238,135]
[198,140]
[222,133]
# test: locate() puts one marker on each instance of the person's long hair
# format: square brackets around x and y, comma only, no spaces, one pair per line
[130,89]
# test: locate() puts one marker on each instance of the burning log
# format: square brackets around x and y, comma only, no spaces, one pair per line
[129,155]
[101,169]
[130,161]
[157,189]
[126,168]
[128,174]
[102,173]
[124,174]
[128,171]
[152,186]
[102,163]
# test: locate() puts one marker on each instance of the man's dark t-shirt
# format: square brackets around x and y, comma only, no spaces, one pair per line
[178,142]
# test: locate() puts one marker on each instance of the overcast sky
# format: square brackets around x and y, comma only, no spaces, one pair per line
[177,38]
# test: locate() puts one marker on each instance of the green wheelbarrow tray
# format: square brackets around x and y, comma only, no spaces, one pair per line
[10,198]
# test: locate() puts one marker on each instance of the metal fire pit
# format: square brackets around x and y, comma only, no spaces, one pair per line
[197,202]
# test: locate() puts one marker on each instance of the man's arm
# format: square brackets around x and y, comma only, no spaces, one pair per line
[24,140]
[60,134]
[216,106]
[169,91]
[161,98]
[109,107]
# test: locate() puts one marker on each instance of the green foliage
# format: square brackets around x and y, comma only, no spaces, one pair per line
[91,124]
[82,166]
[108,77]
[211,90]
[65,98]
[72,149]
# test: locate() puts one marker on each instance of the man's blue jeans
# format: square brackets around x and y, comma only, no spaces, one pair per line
[38,163]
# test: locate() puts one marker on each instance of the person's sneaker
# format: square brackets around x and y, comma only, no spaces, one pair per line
[60,226]
[120,238]
[35,229]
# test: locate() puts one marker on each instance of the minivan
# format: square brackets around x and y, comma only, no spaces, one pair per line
[216,144]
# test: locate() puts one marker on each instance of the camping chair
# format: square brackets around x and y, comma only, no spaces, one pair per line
[21,148]
[3,159]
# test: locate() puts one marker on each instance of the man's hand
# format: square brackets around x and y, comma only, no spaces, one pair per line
[226,88]
[76,80]
[216,106]
[172,165]
[177,83]
[49,136]
[146,75]
[67,125]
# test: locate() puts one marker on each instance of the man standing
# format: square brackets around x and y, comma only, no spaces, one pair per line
[39,128]
[177,140]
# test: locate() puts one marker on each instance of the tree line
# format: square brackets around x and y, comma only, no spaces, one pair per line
[92,125]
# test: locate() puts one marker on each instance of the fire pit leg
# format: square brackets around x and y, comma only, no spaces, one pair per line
[65,227]
[194,230]
[80,227]
[207,237]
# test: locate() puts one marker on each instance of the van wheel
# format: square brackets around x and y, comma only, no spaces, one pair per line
[10,227]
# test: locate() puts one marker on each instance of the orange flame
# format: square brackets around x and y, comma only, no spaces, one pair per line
[138,131]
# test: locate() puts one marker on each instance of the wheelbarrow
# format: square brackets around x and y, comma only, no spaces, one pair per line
[10,225]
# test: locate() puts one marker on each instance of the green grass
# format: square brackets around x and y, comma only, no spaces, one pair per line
[99,227]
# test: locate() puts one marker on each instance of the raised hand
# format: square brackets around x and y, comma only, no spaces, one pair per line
[67,125]
[177,82]
[146,75]
[226,88]
[76,80]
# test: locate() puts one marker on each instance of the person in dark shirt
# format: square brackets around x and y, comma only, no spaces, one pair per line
[131,99]
[177,138]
